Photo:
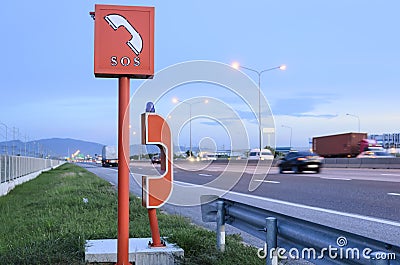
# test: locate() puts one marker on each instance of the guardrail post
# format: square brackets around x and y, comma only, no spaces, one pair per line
[272,239]
[221,226]
[379,258]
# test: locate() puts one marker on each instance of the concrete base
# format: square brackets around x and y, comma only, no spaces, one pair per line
[105,250]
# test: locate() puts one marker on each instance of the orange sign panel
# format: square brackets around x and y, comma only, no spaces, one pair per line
[124,41]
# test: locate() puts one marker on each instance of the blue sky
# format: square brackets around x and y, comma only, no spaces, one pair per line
[342,57]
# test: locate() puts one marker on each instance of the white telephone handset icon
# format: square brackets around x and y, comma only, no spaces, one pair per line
[116,21]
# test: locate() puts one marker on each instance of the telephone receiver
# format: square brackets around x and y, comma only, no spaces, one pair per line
[116,21]
[157,189]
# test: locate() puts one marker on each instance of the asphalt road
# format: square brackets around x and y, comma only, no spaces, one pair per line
[369,192]
[361,201]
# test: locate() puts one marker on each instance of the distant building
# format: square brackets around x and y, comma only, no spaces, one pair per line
[387,140]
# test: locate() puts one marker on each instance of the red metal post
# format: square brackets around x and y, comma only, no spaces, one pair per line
[155,231]
[123,172]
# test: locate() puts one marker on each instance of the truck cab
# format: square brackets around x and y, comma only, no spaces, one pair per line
[369,145]
[109,156]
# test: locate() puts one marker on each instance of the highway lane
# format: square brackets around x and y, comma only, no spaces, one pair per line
[369,192]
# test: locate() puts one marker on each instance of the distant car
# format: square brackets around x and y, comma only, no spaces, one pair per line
[265,154]
[155,160]
[210,157]
[375,154]
[207,156]
[297,162]
[98,160]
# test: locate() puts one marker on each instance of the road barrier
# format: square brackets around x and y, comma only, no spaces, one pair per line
[290,237]
[381,163]
[15,170]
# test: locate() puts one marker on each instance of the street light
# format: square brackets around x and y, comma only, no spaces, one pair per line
[358,118]
[5,126]
[236,65]
[291,130]
[14,139]
[175,100]
[139,146]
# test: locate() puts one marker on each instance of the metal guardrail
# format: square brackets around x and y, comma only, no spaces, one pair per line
[287,236]
[14,167]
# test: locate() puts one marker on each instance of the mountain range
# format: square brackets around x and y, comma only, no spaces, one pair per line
[54,147]
[65,147]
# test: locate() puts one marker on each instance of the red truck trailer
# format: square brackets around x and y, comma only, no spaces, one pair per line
[340,145]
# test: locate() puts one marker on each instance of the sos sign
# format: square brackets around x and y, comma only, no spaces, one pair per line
[124,41]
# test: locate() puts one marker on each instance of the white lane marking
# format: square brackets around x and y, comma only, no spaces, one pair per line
[268,181]
[334,178]
[352,215]
[205,175]
[394,194]
[397,175]
[140,168]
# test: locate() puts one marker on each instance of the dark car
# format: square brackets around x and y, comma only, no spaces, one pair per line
[300,161]
[155,160]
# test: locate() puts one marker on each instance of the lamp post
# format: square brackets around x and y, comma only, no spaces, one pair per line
[139,147]
[291,131]
[259,73]
[26,137]
[5,126]
[355,116]
[14,142]
[175,100]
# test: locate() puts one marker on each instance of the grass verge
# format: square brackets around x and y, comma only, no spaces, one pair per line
[46,221]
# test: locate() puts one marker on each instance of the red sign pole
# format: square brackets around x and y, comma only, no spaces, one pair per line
[123,48]
[123,171]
